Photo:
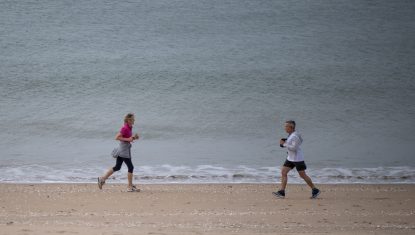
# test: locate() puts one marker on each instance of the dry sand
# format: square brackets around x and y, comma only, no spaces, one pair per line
[205,209]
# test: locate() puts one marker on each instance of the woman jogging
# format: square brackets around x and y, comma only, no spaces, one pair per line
[123,153]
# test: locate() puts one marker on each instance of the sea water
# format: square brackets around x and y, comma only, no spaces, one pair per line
[211,84]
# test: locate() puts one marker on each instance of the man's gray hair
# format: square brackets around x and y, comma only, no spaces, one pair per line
[291,122]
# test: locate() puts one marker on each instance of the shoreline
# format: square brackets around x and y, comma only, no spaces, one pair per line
[242,208]
[209,174]
[196,183]
[203,183]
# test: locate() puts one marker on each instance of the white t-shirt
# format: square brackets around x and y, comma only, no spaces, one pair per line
[295,154]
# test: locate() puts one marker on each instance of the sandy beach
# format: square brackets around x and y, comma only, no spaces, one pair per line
[205,209]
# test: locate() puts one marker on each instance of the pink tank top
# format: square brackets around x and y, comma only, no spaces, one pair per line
[126,131]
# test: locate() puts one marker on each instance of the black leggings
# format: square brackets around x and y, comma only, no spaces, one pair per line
[127,161]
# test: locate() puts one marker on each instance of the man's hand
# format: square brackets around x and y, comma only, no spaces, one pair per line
[282,142]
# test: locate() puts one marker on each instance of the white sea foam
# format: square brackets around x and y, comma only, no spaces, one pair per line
[207,174]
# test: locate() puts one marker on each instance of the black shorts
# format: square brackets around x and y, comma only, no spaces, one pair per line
[300,166]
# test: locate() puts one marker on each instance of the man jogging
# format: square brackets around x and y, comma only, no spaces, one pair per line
[295,159]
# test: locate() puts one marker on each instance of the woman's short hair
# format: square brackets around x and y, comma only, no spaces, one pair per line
[128,117]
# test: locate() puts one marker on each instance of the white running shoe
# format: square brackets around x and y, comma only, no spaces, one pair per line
[100,182]
[133,189]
